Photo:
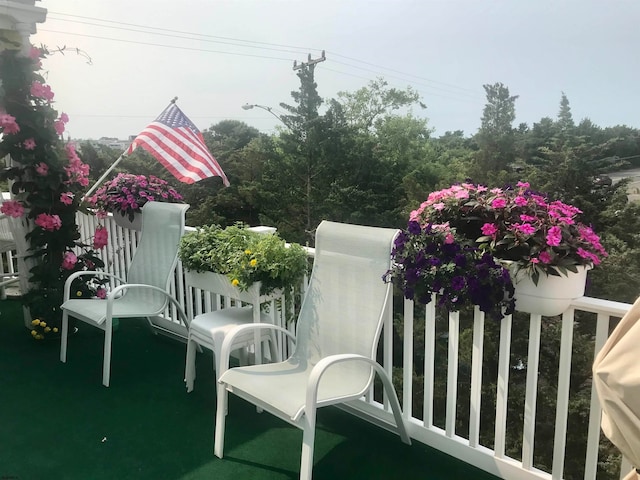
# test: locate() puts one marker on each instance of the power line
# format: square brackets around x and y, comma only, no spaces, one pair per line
[167,46]
[255,44]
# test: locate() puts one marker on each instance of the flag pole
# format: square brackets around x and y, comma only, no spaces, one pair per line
[105,175]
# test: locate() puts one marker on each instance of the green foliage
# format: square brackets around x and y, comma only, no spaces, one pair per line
[245,257]
[48,180]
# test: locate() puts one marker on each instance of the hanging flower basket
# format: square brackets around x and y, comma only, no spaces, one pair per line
[126,222]
[553,293]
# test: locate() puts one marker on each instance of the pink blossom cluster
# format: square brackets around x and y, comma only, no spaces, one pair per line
[127,193]
[13,208]
[48,222]
[77,171]
[40,90]
[69,261]
[100,238]
[8,124]
[516,222]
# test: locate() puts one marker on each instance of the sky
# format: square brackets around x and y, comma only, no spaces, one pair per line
[216,56]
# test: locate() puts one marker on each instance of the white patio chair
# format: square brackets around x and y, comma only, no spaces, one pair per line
[145,293]
[337,334]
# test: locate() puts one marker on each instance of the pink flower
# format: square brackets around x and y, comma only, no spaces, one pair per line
[527,218]
[523,185]
[438,206]
[545,257]
[449,238]
[8,124]
[39,90]
[525,228]
[499,203]
[66,198]
[100,238]
[13,208]
[42,169]
[101,214]
[520,201]
[48,222]
[58,125]
[34,53]
[29,144]
[489,229]
[64,118]
[101,293]
[69,261]
[554,236]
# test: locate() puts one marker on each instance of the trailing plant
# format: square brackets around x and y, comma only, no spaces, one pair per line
[245,257]
[539,234]
[432,259]
[48,180]
[127,193]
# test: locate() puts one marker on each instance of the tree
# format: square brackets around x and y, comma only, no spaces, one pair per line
[495,137]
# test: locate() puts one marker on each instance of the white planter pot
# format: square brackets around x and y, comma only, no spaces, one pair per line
[220,284]
[552,295]
[124,222]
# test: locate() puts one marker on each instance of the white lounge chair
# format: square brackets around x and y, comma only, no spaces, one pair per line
[337,334]
[145,293]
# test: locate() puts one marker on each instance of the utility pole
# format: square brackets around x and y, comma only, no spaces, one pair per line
[309,62]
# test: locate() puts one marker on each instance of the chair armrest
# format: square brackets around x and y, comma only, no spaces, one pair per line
[325,363]
[73,276]
[225,351]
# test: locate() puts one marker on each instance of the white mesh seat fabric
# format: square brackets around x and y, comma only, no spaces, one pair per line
[209,330]
[337,334]
[146,290]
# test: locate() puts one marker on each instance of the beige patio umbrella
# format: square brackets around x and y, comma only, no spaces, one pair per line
[616,375]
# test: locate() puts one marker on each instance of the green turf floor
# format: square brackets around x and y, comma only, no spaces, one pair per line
[57,421]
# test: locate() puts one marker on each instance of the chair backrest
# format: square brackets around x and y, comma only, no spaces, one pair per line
[346,300]
[157,253]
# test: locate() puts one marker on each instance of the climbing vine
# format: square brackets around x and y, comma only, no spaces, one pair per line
[48,180]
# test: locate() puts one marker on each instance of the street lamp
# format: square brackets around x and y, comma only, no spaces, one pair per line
[249,106]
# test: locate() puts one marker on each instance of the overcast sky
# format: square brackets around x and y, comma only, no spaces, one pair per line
[218,55]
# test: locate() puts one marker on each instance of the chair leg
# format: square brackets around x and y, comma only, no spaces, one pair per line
[221,412]
[190,365]
[308,444]
[106,366]
[63,336]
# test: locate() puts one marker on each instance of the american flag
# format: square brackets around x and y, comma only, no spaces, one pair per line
[177,144]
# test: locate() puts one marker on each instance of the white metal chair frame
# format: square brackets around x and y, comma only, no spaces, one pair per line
[102,316]
[304,365]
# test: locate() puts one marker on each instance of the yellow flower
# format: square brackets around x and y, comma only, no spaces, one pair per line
[43,324]
[78,293]
[55,329]
[35,322]
[253,262]
[47,329]
[247,251]
[39,337]
[235,282]
[34,333]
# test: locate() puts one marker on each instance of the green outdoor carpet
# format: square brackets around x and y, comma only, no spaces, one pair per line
[57,421]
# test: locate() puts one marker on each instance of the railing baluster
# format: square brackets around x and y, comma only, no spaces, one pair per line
[562,404]
[595,412]
[533,358]
[407,361]
[504,364]
[476,378]
[429,359]
[452,373]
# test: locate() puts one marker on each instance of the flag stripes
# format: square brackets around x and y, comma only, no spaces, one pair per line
[178,145]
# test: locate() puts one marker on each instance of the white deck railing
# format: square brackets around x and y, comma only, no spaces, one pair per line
[454,352]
